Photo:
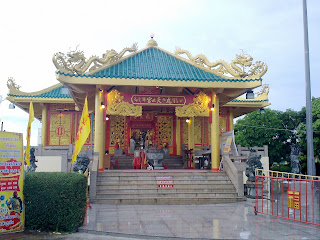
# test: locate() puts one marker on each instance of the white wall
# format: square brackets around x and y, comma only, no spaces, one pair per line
[48,163]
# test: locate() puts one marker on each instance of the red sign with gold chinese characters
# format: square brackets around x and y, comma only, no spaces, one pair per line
[158,100]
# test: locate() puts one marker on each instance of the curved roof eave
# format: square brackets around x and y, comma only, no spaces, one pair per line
[228,83]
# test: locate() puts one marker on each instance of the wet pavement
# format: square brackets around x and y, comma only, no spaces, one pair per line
[213,221]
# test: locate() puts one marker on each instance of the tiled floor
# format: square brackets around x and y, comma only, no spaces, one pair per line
[214,221]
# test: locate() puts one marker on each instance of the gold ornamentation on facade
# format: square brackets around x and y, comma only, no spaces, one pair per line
[76,62]
[198,108]
[206,127]
[60,129]
[165,126]
[184,132]
[239,67]
[11,84]
[209,133]
[197,130]
[117,130]
[116,106]
[223,124]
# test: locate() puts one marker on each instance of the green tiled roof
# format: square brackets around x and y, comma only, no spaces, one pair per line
[55,93]
[153,63]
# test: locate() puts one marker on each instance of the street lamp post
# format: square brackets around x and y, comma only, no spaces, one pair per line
[310,157]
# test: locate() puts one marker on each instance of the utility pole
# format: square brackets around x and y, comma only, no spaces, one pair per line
[310,158]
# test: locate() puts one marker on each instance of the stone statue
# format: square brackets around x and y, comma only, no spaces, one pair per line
[81,164]
[253,162]
[294,157]
[33,165]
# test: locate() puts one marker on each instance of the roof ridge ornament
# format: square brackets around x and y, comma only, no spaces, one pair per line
[11,84]
[74,62]
[152,42]
[239,67]
[264,90]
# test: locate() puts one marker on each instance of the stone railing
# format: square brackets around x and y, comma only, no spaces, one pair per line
[93,169]
[244,151]
[235,174]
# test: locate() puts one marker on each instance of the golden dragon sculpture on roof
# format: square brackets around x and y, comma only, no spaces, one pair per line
[237,69]
[76,62]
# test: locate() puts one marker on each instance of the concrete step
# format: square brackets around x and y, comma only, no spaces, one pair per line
[165,195]
[175,182]
[141,187]
[125,162]
[153,178]
[160,173]
[181,187]
[170,201]
[165,191]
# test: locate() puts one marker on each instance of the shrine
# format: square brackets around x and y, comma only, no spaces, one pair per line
[146,98]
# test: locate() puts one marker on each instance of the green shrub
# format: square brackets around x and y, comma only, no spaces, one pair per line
[55,201]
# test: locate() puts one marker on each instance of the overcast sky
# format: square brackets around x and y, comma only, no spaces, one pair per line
[270,31]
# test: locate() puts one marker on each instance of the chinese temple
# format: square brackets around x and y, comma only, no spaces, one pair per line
[149,95]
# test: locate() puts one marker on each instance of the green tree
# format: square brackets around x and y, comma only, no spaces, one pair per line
[316,134]
[273,128]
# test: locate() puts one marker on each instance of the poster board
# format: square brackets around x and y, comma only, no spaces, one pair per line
[227,143]
[11,182]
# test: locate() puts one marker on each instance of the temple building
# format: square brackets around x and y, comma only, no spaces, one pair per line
[150,95]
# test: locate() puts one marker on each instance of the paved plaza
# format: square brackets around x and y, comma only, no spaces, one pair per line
[214,221]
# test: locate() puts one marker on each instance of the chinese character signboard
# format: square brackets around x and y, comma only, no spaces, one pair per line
[11,182]
[294,200]
[158,100]
[164,182]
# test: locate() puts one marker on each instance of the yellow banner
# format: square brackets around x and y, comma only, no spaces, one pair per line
[11,182]
[31,118]
[83,131]
[227,146]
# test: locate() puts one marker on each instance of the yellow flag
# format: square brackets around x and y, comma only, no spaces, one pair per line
[31,118]
[83,131]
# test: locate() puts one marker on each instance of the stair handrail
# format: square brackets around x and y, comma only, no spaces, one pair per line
[235,175]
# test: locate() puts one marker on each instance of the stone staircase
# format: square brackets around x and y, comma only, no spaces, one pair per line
[125,162]
[164,187]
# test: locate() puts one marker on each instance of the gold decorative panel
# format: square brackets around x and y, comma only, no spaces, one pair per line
[184,132]
[165,124]
[206,130]
[197,130]
[209,132]
[199,107]
[223,124]
[60,129]
[117,130]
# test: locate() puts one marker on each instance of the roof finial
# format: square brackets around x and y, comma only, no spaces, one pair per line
[152,42]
